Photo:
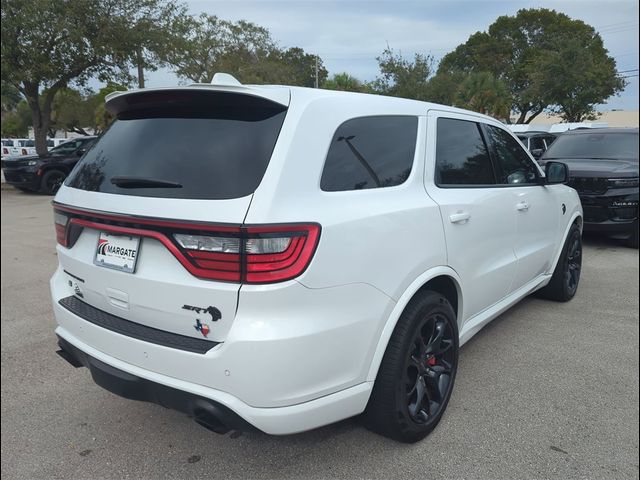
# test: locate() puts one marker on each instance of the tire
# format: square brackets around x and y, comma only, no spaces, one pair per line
[632,241]
[51,181]
[25,190]
[414,383]
[566,276]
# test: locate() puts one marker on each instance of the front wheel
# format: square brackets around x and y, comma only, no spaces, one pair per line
[52,181]
[566,277]
[417,373]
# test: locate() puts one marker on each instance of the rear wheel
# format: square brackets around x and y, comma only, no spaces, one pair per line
[52,181]
[417,373]
[566,277]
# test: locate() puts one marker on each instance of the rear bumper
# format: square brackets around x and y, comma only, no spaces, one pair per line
[294,359]
[214,409]
[209,413]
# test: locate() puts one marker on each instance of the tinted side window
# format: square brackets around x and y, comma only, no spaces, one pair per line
[370,152]
[514,165]
[462,157]
[537,144]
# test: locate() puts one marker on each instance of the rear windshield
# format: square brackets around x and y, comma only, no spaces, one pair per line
[595,145]
[212,146]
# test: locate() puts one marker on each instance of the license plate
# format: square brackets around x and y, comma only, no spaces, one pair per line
[119,252]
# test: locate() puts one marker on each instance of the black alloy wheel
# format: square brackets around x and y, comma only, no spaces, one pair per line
[429,368]
[417,373]
[574,265]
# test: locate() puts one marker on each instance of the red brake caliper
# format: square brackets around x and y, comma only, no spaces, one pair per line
[431,361]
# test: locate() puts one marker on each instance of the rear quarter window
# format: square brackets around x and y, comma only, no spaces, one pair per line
[370,152]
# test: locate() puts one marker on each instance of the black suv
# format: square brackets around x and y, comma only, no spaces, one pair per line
[45,174]
[603,166]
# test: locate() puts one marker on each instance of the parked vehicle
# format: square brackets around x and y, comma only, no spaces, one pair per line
[537,142]
[45,174]
[282,258]
[16,147]
[604,170]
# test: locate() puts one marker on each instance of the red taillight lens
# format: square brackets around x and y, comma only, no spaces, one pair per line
[61,221]
[275,254]
[257,255]
[24,151]
[5,151]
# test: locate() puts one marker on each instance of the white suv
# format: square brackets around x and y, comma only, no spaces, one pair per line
[282,258]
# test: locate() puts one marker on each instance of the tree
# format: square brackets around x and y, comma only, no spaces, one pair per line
[484,93]
[243,49]
[345,82]
[50,44]
[401,77]
[72,111]
[524,50]
[443,87]
[10,97]
[102,118]
[156,27]
[16,123]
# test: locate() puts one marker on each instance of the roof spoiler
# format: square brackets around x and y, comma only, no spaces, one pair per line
[221,82]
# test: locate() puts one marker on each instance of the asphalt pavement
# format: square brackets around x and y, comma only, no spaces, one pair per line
[547,390]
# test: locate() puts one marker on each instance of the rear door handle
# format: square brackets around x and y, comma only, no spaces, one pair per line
[459,217]
[523,206]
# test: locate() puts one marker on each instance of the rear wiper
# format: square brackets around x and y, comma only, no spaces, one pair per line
[141,182]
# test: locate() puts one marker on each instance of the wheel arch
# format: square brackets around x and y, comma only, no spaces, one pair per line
[576,219]
[443,280]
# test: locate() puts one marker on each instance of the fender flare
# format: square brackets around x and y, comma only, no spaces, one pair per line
[405,298]
[577,214]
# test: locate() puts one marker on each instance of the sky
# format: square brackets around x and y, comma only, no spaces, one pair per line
[349,35]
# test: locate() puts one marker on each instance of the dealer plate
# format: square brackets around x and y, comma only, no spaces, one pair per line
[119,252]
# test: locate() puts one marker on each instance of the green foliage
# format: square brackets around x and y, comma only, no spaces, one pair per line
[10,97]
[101,117]
[345,82]
[16,122]
[49,44]
[484,93]
[547,60]
[400,77]
[243,49]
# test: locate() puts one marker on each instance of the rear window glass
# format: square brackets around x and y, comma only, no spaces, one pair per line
[198,146]
[370,152]
[595,145]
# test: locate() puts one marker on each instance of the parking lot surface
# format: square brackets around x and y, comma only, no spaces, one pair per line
[547,390]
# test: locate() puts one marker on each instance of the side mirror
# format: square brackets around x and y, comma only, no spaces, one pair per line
[556,172]
[80,152]
[537,152]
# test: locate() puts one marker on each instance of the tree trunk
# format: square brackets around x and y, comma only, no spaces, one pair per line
[140,65]
[40,121]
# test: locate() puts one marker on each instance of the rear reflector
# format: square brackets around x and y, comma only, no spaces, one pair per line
[251,254]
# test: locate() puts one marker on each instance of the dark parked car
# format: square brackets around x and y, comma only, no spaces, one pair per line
[537,142]
[603,166]
[45,174]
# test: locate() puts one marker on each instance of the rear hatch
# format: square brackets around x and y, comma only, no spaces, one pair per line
[150,220]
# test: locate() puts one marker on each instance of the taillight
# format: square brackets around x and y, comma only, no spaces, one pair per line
[275,254]
[24,151]
[5,151]
[61,222]
[251,254]
[256,255]
[218,257]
